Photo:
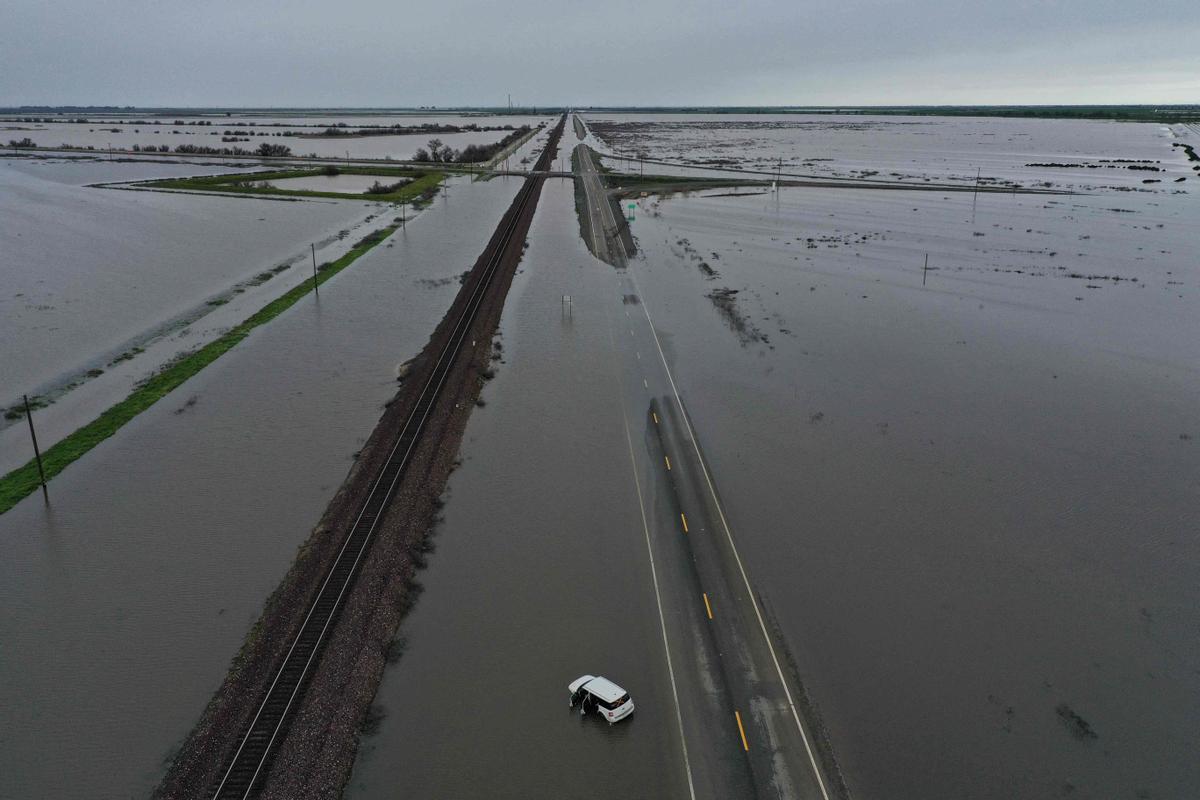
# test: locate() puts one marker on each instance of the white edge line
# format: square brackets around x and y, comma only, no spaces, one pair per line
[662,621]
[729,535]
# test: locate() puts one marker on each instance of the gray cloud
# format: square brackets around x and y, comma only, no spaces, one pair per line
[468,52]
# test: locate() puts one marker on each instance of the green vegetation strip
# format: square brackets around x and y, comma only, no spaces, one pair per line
[24,480]
[422,187]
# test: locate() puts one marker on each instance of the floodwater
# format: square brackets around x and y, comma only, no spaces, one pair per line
[967,497]
[122,604]
[93,273]
[971,505]
[540,573]
[115,133]
[348,184]
[905,148]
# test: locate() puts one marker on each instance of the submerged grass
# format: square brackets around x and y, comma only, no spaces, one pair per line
[23,481]
[421,187]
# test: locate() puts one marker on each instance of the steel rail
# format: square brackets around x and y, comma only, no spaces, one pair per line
[256,745]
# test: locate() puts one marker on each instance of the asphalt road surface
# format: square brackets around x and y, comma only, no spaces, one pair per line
[736,702]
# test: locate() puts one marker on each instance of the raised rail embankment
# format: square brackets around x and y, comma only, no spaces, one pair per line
[286,721]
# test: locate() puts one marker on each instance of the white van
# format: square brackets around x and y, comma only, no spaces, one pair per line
[601,695]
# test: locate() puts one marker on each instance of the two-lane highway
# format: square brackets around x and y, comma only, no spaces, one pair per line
[603,228]
[741,728]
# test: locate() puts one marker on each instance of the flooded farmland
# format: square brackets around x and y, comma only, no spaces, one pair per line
[103,285]
[954,434]
[323,137]
[1083,154]
[125,602]
[970,503]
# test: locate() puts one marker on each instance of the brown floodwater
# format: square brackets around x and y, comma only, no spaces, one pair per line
[95,275]
[971,506]
[122,604]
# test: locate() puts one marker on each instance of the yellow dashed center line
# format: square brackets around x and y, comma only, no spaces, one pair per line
[668,460]
[707,607]
[742,731]
[682,517]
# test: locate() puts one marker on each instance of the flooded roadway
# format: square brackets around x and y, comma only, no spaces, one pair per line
[967,506]
[563,552]
[539,575]
[959,547]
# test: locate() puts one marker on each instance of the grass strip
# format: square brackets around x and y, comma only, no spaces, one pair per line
[422,187]
[22,481]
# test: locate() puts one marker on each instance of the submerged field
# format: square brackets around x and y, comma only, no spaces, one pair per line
[394,136]
[1081,154]
[968,494]
[104,286]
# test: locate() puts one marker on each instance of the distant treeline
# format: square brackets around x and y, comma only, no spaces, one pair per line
[341,129]
[1161,113]
[435,151]
[1134,113]
[330,129]
[264,150]
[1117,113]
[86,121]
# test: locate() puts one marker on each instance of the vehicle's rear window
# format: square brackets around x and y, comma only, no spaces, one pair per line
[620,701]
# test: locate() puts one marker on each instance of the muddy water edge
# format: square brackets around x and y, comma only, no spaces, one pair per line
[123,604]
[317,749]
[969,506]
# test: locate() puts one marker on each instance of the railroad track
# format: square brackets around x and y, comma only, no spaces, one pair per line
[256,744]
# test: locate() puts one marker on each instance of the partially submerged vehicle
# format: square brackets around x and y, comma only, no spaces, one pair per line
[593,693]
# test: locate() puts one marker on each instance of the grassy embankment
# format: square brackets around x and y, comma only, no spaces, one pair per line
[24,480]
[423,184]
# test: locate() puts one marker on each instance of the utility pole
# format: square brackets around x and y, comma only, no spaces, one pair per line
[36,452]
[975,196]
[316,291]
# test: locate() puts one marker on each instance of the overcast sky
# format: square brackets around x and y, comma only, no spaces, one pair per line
[606,52]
